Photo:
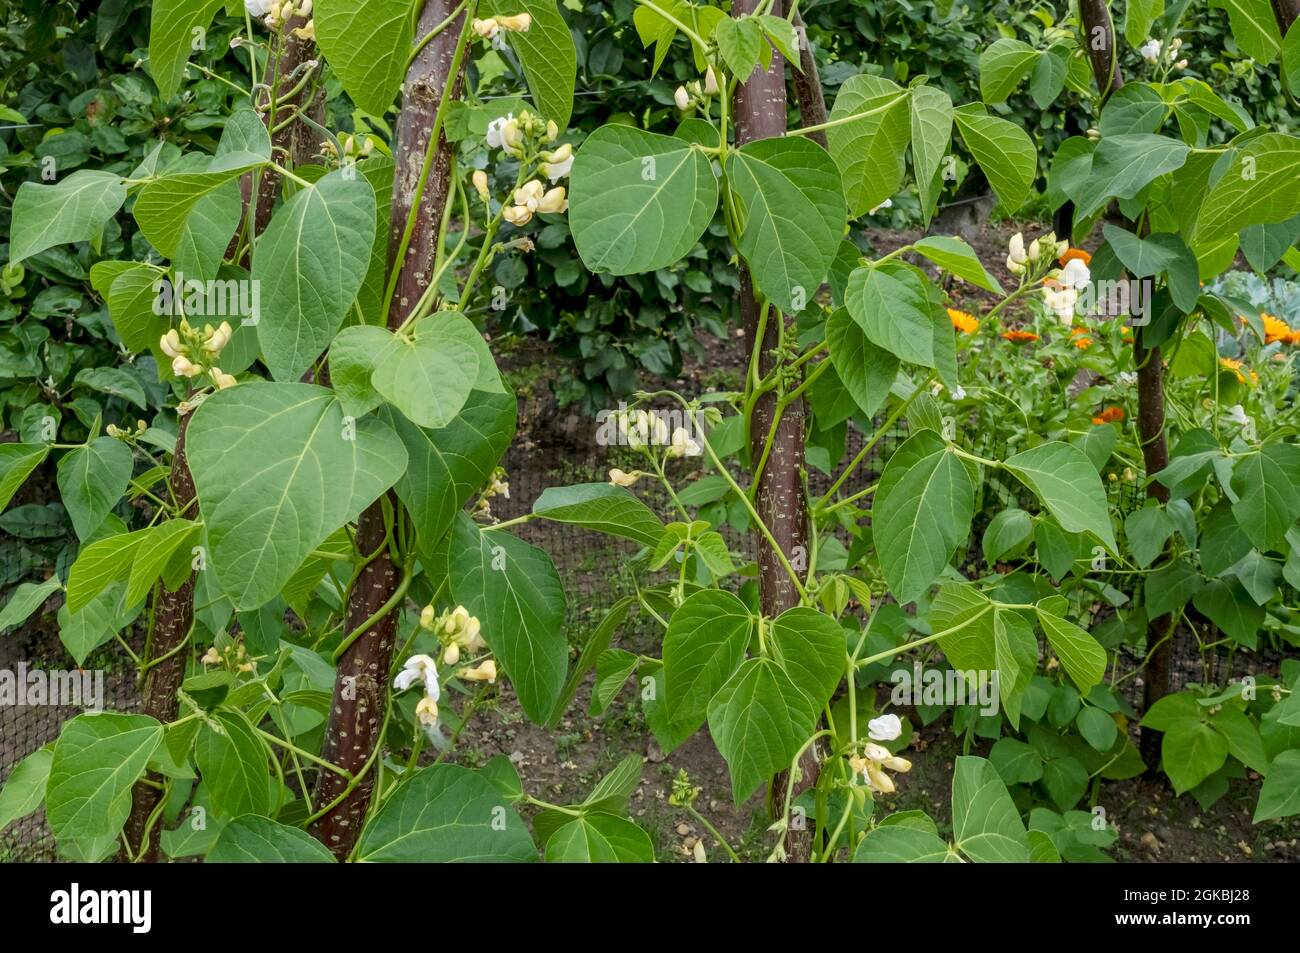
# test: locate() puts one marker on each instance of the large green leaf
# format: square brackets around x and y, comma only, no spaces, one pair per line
[25,599]
[1002,149]
[705,642]
[24,789]
[73,210]
[900,844]
[1083,657]
[132,297]
[639,201]
[895,307]
[367,44]
[810,646]
[985,823]
[602,507]
[869,149]
[792,209]
[1267,485]
[172,31]
[165,205]
[759,719]
[99,563]
[234,763]
[931,111]
[427,370]
[1139,15]
[739,44]
[1257,188]
[1254,27]
[251,839]
[91,481]
[1280,794]
[1123,165]
[445,814]
[1190,752]
[17,461]
[447,466]
[866,370]
[278,468]
[97,759]
[1003,64]
[310,262]
[1067,483]
[922,511]
[599,839]
[514,591]
[958,258]
[88,628]
[545,51]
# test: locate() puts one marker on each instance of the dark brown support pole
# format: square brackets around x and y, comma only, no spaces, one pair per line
[1100,43]
[174,611]
[760,106]
[808,85]
[173,620]
[360,686]
[296,142]
[1286,12]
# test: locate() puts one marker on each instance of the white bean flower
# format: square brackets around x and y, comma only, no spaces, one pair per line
[884,728]
[419,668]
[495,130]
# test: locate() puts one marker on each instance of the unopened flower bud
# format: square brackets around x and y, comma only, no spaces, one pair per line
[682,98]
[480,183]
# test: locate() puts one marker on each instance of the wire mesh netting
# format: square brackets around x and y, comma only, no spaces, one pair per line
[557,448]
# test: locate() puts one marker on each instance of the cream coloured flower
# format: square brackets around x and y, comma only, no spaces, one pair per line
[170,344]
[451,655]
[554,201]
[618,478]
[682,98]
[182,366]
[1150,51]
[485,671]
[530,194]
[557,163]
[495,130]
[519,23]
[710,82]
[683,444]
[222,380]
[426,710]
[1016,255]
[486,28]
[518,215]
[480,180]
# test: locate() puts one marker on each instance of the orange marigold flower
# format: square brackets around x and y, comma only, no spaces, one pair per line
[1020,337]
[1126,332]
[1237,369]
[963,322]
[1082,343]
[1109,415]
[1073,254]
[1277,330]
